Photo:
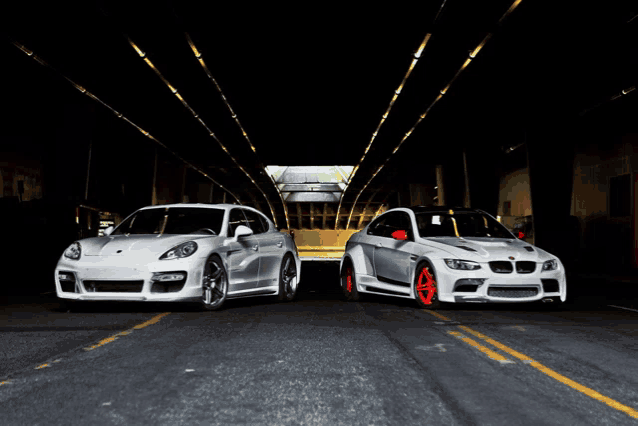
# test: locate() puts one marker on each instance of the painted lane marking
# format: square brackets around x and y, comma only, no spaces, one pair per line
[437,346]
[114,337]
[438,315]
[622,307]
[487,351]
[517,327]
[39,367]
[5,382]
[559,377]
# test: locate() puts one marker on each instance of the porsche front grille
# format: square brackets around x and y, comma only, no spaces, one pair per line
[95,286]
[512,292]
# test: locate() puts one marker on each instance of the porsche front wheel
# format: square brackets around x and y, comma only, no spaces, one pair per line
[214,284]
[426,290]
[288,279]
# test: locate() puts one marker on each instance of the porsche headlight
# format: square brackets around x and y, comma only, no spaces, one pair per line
[180,251]
[74,251]
[465,265]
[550,265]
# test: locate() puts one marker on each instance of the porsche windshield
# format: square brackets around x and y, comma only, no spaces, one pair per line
[472,224]
[173,220]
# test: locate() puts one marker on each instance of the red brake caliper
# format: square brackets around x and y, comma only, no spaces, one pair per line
[426,290]
[349,280]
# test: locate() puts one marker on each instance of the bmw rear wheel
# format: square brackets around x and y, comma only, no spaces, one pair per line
[349,283]
[288,279]
[426,290]
[214,284]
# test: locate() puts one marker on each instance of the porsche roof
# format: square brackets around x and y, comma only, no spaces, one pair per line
[441,209]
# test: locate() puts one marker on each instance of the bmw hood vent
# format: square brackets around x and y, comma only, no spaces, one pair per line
[466,248]
[528,248]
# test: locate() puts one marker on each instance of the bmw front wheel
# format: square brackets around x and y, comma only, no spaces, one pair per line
[349,283]
[214,284]
[426,290]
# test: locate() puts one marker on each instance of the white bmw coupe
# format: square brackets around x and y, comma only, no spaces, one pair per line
[180,252]
[436,254]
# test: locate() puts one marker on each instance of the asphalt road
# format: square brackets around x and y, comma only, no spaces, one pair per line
[320,360]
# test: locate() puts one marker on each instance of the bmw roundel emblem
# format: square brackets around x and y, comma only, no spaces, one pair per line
[511,258]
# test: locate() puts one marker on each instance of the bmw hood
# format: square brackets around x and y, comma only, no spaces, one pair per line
[151,245]
[487,249]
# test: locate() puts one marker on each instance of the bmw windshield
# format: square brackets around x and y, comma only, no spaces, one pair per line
[173,220]
[468,224]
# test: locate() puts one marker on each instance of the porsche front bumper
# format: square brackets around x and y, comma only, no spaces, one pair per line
[112,278]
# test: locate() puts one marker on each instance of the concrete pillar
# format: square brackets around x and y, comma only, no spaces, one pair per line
[440,192]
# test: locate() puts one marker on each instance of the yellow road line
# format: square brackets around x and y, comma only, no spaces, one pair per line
[501,346]
[551,373]
[487,351]
[5,382]
[114,337]
[39,367]
[438,315]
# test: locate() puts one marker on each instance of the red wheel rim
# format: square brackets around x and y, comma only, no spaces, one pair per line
[426,287]
[349,280]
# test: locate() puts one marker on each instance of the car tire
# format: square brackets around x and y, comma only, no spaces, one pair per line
[288,283]
[426,291]
[214,284]
[349,283]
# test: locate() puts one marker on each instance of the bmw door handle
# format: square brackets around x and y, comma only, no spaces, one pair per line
[379,245]
[280,244]
[255,247]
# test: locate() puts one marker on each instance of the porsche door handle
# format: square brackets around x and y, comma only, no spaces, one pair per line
[280,244]
[255,247]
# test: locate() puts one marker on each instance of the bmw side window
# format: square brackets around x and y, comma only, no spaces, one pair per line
[392,223]
[235,219]
[254,222]
[406,225]
[376,227]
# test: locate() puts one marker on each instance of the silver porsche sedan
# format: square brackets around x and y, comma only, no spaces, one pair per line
[180,252]
[437,254]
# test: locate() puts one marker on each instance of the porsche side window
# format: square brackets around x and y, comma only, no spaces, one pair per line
[265,223]
[254,222]
[235,219]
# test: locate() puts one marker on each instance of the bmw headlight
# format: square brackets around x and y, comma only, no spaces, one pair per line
[74,251]
[465,265]
[550,265]
[180,251]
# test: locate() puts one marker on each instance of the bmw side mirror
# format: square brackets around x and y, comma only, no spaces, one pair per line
[242,231]
[400,235]
[108,231]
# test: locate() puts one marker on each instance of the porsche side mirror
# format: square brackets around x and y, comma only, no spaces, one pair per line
[242,231]
[400,235]
[108,231]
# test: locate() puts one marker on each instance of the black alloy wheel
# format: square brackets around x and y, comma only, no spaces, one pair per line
[288,283]
[214,284]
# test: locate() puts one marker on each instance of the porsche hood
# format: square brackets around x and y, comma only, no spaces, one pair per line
[486,249]
[153,245]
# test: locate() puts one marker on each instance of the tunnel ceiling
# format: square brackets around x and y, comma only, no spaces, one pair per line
[310,82]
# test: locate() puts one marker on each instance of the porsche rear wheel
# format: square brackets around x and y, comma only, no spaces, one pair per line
[214,284]
[426,290]
[349,283]
[288,279]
